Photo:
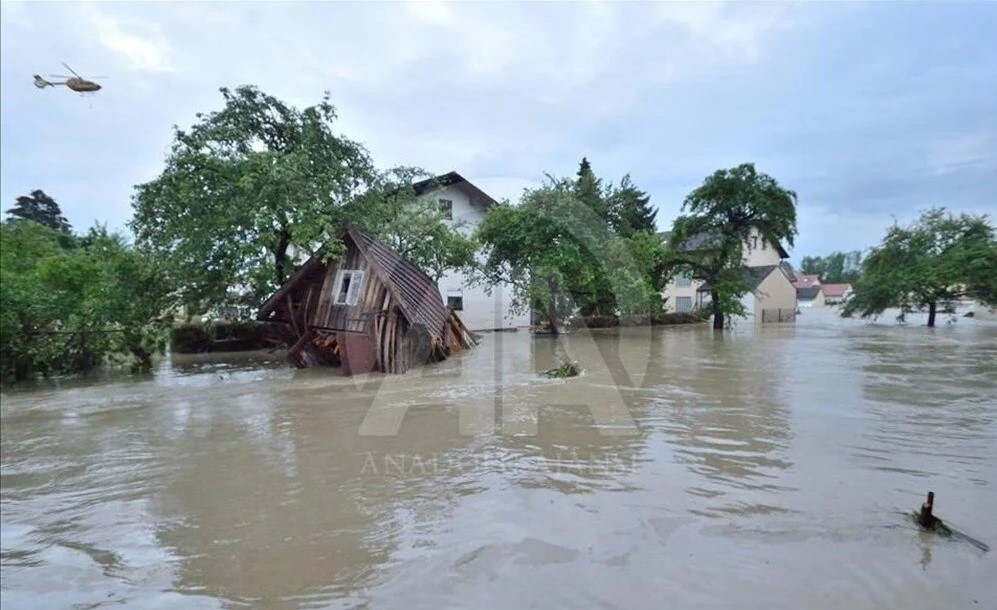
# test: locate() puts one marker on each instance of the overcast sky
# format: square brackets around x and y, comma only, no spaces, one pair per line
[869,111]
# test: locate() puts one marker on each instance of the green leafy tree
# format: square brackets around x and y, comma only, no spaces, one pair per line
[639,271]
[835,268]
[596,298]
[558,255]
[589,191]
[70,309]
[707,241]
[248,192]
[630,209]
[39,207]
[414,225]
[251,191]
[938,258]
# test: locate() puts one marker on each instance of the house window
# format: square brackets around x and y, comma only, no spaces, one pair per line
[683,280]
[754,243]
[683,304]
[455,300]
[446,208]
[347,287]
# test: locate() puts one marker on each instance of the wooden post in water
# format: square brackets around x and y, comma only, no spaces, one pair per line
[926,519]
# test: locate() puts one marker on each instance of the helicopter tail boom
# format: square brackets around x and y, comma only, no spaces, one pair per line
[41,83]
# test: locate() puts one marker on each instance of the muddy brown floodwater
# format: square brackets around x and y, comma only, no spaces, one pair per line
[764,468]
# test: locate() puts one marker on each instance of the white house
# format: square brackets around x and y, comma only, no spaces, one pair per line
[465,204]
[771,295]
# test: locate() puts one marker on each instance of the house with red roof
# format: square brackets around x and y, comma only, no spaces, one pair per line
[835,293]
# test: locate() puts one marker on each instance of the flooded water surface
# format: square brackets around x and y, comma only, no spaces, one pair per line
[764,468]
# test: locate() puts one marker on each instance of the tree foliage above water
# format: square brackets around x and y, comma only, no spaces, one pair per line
[559,251]
[413,224]
[938,258]
[67,307]
[253,189]
[707,241]
[835,268]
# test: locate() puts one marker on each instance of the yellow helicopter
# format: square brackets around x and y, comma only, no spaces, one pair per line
[75,82]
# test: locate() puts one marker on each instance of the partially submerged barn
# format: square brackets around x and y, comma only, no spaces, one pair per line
[370,310]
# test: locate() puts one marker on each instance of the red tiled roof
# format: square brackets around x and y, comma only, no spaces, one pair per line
[805,280]
[835,290]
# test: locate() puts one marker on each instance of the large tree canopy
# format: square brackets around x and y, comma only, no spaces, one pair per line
[707,241]
[559,255]
[247,192]
[252,190]
[39,207]
[938,258]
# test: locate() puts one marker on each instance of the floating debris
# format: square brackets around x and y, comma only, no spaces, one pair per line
[929,522]
[568,369]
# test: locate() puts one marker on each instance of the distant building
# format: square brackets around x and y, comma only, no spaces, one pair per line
[771,296]
[809,296]
[465,204]
[835,294]
[808,292]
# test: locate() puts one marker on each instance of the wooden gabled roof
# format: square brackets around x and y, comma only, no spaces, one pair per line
[417,295]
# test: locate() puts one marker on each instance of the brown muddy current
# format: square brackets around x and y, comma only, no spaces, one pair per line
[766,468]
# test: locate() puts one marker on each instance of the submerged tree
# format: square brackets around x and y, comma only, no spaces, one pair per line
[938,258]
[559,255]
[39,207]
[68,309]
[707,242]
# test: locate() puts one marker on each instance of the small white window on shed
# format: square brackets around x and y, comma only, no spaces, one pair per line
[683,304]
[347,287]
[455,299]
[446,208]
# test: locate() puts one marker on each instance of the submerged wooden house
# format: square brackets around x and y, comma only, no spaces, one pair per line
[370,310]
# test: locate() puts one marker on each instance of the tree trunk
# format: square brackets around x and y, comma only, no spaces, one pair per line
[931,314]
[552,307]
[143,356]
[718,314]
[280,255]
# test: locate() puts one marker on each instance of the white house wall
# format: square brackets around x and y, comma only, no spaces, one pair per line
[482,311]
[758,252]
[775,292]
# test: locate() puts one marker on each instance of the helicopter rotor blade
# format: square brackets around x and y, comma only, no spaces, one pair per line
[71,70]
[87,78]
